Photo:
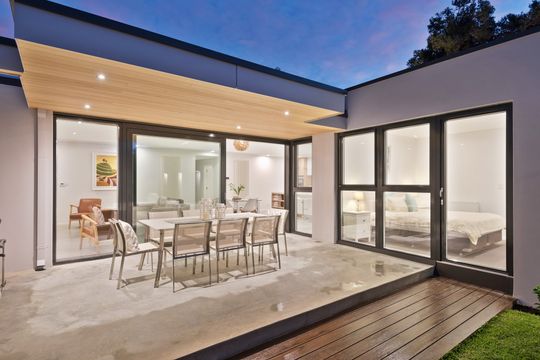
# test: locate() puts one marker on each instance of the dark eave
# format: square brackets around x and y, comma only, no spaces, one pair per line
[448,57]
[7,41]
[152,36]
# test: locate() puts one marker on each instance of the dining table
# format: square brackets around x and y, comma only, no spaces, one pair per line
[168,224]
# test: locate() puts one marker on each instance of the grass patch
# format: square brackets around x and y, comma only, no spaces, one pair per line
[510,335]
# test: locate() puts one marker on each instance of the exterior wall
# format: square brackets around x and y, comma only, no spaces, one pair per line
[323,188]
[502,73]
[17,128]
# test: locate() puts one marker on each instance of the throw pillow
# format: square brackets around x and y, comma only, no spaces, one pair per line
[132,242]
[98,215]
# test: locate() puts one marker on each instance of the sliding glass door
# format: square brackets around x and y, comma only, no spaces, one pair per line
[437,188]
[475,200]
[173,174]
[302,181]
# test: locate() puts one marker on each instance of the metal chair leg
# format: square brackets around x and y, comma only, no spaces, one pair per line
[253,259]
[152,261]
[121,270]
[202,264]
[278,254]
[194,264]
[285,238]
[173,277]
[141,261]
[112,265]
[217,265]
[246,258]
[237,257]
[209,269]
[227,260]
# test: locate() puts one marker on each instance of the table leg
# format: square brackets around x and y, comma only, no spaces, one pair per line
[160,257]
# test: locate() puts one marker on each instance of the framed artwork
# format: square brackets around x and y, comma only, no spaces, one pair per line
[105,171]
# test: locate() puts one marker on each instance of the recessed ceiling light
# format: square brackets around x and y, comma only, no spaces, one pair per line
[286,113]
[212,135]
[238,127]
[267,155]
[74,133]
[87,106]
[101,76]
[79,122]
[213,151]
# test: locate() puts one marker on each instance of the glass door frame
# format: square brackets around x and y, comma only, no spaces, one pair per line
[127,169]
[508,109]
[294,188]
[437,179]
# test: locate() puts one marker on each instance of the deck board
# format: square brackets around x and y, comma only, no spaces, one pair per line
[422,322]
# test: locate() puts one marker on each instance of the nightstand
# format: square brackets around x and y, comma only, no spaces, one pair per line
[356,226]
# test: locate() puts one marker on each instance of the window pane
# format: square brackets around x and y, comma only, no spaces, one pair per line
[407,155]
[407,222]
[358,216]
[174,175]
[359,159]
[476,205]
[255,172]
[86,177]
[303,212]
[303,165]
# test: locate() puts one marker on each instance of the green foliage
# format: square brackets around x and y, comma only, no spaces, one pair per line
[237,189]
[470,23]
[537,292]
[510,335]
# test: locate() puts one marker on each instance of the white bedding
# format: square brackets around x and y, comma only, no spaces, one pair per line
[472,224]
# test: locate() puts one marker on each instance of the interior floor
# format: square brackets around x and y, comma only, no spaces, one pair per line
[74,311]
[68,244]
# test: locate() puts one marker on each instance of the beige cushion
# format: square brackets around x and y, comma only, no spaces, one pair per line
[98,215]
[132,242]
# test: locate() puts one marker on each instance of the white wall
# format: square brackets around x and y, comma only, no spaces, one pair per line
[476,169]
[17,129]
[74,168]
[266,175]
[323,190]
[149,172]
[501,73]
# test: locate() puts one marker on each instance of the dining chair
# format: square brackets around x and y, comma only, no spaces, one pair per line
[250,206]
[230,235]
[191,240]
[123,249]
[264,232]
[154,236]
[283,214]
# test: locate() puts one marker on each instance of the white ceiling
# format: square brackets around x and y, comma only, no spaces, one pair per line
[68,130]
[258,149]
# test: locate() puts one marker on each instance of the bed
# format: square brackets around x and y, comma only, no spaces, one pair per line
[469,231]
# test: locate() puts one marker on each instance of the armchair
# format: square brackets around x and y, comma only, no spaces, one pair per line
[84,208]
[92,229]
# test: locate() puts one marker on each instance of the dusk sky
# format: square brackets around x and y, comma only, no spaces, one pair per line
[339,42]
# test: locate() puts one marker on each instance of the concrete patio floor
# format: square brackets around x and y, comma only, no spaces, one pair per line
[74,311]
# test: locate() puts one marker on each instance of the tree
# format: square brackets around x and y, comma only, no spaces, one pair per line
[470,23]
[515,23]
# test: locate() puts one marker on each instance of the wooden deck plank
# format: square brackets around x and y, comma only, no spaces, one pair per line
[364,339]
[396,300]
[478,300]
[348,335]
[460,333]
[422,322]
[437,332]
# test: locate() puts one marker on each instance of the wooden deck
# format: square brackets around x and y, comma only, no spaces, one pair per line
[424,321]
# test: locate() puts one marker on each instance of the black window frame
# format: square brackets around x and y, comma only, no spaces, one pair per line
[437,180]
[294,185]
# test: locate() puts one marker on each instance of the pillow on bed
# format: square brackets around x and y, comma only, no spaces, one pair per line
[396,204]
[410,200]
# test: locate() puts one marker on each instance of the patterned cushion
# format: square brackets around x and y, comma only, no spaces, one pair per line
[132,242]
[98,215]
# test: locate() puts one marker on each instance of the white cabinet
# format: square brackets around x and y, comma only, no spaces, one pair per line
[356,225]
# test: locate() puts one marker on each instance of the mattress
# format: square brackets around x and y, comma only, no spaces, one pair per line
[472,224]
